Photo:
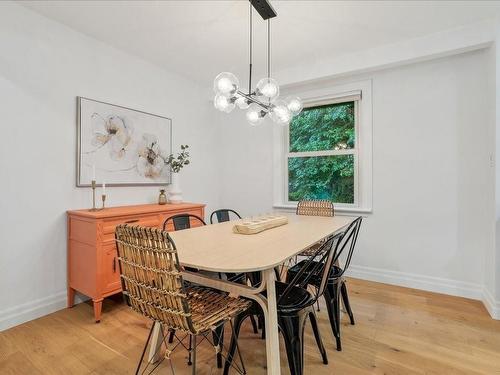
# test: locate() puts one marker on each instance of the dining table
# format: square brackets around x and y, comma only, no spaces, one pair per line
[218,249]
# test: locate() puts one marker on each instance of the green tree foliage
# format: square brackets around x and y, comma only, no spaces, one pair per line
[329,127]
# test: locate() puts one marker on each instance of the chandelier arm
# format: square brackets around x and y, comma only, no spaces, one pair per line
[251,99]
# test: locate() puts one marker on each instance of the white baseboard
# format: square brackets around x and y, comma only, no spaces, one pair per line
[25,312]
[43,306]
[31,310]
[411,280]
[491,305]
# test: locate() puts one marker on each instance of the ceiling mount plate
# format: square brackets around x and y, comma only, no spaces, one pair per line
[264,8]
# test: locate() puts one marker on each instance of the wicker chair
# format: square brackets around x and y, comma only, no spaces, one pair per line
[314,208]
[153,286]
[308,208]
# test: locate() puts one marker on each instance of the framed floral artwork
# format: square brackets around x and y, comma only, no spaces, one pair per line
[121,146]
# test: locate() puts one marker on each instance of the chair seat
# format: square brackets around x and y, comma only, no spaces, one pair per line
[240,278]
[297,298]
[209,307]
[335,271]
[310,251]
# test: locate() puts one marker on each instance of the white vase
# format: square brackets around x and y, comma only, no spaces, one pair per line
[175,192]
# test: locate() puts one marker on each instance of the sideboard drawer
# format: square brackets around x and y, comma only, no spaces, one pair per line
[109,226]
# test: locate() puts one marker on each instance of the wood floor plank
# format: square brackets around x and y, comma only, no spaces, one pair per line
[398,331]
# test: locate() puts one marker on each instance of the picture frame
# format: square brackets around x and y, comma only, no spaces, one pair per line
[121,146]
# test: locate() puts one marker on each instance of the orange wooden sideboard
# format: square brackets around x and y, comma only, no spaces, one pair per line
[92,258]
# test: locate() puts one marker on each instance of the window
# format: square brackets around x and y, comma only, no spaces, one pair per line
[326,151]
[322,153]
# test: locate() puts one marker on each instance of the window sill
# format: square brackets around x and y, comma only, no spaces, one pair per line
[340,210]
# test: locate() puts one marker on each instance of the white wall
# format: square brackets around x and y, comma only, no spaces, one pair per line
[43,67]
[492,261]
[433,184]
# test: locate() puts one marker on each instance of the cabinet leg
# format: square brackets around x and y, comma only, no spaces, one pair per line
[71,297]
[97,309]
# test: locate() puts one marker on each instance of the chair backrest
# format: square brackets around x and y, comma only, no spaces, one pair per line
[151,276]
[315,208]
[320,263]
[182,221]
[317,265]
[223,215]
[347,243]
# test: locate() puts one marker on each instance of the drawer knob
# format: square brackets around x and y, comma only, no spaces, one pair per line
[132,221]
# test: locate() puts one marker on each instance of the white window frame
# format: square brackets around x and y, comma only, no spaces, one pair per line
[362,150]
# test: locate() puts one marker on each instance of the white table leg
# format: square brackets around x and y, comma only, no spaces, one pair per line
[269,307]
[155,343]
[271,319]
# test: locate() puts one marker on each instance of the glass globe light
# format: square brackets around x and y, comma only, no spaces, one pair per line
[226,84]
[268,87]
[280,113]
[255,114]
[242,102]
[294,104]
[223,103]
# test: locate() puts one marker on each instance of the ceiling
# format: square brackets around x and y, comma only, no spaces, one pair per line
[199,39]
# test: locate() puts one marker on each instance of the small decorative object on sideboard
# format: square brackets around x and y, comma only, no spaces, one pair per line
[176,164]
[93,185]
[103,196]
[162,198]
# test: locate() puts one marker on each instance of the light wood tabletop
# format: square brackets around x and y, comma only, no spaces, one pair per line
[216,248]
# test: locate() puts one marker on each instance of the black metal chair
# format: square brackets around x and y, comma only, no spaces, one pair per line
[223,215]
[336,286]
[295,305]
[182,221]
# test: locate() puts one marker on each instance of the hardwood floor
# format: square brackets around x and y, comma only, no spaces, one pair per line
[397,331]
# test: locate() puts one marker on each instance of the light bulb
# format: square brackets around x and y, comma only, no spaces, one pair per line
[268,87]
[294,105]
[223,103]
[242,102]
[226,84]
[255,114]
[280,113]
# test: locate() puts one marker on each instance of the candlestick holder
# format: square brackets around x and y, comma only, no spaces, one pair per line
[103,201]
[94,208]
[93,185]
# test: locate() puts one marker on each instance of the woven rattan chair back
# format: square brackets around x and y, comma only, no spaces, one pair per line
[151,276]
[315,208]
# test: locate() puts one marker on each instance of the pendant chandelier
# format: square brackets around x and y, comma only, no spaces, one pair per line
[264,100]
